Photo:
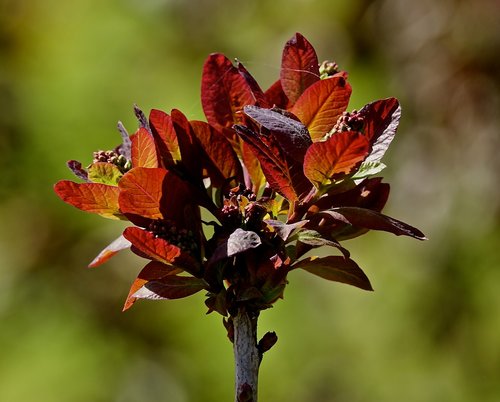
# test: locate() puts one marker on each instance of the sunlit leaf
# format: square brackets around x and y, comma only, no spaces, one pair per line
[170,287]
[252,165]
[141,190]
[299,67]
[112,249]
[322,104]
[315,239]
[339,155]
[165,137]
[337,269]
[367,169]
[96,198]
[220,160]
[152,271]
[291,134]
[284,230]
[224,92]
[143,150]
[104,173]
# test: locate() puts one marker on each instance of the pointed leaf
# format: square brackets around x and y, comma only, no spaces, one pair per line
[141,118]
[336,268]
[381,120]
[322,104]
[259,96]
[220,159]
[314,239]
[78,170]
[143,150]
[291,134]
[366,218]
[112,249]
[238,242]
[252,165]
[170,287]
[275,96]
[104,173]
[224,92]
[334,158]
[124,148]
[151,272]
[158,249]
[284,230]
[165,137]
[96,198]
[141,190]
[299,67]
[367,169]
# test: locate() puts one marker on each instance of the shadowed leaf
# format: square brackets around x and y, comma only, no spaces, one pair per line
[152,271]
[78,170]
[284,230]
[104,173]
[238,242]
[112,249]
[143,149]
[322,104]
[170,287]
[165,137]
[299,67]
[337,269]
[338,156]
[96,198]
[275,96]
[259,96]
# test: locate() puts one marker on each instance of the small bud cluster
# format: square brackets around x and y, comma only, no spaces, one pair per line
[349,121]
[113,157]
[327,69]
[231,212]
[182,238]
[240,191]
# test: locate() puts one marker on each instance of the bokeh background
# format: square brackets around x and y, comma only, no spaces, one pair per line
[430,331]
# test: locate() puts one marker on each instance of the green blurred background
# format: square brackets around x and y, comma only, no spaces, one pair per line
[430,331]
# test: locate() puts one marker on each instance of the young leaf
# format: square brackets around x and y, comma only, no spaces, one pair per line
[152,271]
[322,104]
[96,198]
[170,287]
[337,269]
[284,230]
[165,137]
[224,92]
[104,173]
[339,155]
[367,169]
[143,149]
[78,170]
[299,67]
[291,134]
[141,190]
[117,245]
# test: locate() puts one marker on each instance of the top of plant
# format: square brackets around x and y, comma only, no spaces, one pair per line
[232,205]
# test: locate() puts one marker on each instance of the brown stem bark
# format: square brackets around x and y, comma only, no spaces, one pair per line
[246,357]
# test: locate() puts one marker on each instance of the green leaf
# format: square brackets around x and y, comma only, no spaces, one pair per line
[104,173]
[337,269]
[368,169]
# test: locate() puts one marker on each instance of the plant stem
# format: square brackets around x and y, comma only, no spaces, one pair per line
[246,356]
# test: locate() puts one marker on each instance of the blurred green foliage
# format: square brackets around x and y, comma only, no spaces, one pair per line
[430,331]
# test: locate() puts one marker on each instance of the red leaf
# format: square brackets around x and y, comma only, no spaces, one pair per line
[112,249]
[322,104]
[339,155]
[275,96]
[224,92]
[152,271]
[160,250]
[220,159]
[337,269]
[189,147]
[141,190]
[143,150]
[96,198]
[165,136]
[252,165]
[299,67]
[170,287]
[259,96]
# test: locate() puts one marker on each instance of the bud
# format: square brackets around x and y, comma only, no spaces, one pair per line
[327,69]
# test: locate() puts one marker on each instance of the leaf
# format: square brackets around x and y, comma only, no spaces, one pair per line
[252,165]
[112,249]
[170,287]
[334,158]
[381,120]
[152,271]
[366,218]
[322,104]
[143,149]
[315,239]
[104,173]
[275,96]
[224,92]
[165,137]
[259,96]
[284,230]
[141,190]
[291,134]
[368,169]
[238,242]
[124,148]
[78,170]
[337,269]
[220,159]
[96,198]
[158,249]
[299,67]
